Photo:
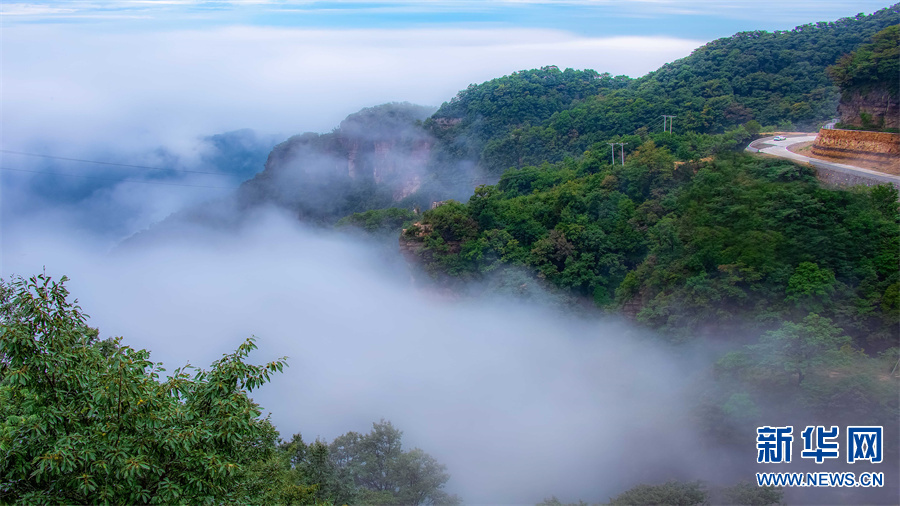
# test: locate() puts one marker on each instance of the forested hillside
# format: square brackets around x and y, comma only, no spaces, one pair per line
[770,78]
[731,240]
[685,233]
[799,283]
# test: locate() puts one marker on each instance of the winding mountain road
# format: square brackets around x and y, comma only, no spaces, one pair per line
[770,146]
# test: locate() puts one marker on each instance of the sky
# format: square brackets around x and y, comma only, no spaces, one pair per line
[81,75]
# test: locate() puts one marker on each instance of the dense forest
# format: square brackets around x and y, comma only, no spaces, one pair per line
[874,64]
[770,78]
[735,238]
[794,286]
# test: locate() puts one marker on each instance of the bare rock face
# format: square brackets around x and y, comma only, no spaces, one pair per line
[882,149]
[377,157]
[872,108]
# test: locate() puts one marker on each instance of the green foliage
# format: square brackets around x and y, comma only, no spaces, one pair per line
[750,494]
[496,108]
[797,348]
[873,64]
[383,473]
[753,128]
[311,469]
[89,421]
[672,493]
[810,286]
[451,221]
[737,238]
[750,79]
[377,221]
[740,405]
[809,280]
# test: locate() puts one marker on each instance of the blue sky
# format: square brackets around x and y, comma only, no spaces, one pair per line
[684,18]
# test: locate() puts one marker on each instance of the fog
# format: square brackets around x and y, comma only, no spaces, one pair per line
[141,94]
[67,86]
[518,401]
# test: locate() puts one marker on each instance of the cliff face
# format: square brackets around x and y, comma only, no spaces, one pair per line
[398,162]
[869,79]
[876,107]
[376,157]
[881,149]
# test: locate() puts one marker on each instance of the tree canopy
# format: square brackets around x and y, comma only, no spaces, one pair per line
[683,244]
[876,63]
[89,421]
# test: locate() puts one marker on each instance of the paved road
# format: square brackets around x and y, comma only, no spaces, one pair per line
[779,148]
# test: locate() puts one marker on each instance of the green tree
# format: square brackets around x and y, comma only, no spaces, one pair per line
[750,494]
[810,286]
[313,470]
[798,348]
[875,63]
[384,473]
[89,421]
[753,127]
[389,220]
[673,493]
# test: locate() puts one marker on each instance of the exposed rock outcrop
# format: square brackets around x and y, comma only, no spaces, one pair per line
[876,107]
[376,157]
[879,147]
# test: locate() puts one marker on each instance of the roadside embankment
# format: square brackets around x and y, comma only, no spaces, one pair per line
[880,148]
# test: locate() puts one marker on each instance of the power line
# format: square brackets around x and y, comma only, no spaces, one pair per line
[119,180]
[669,118]
[52,157]
[623,150]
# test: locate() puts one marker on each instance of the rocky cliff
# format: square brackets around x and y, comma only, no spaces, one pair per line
[877,107]
[869,79]
[879,147]
[376,158]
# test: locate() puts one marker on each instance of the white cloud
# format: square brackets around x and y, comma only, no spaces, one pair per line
[518,402]
[23,9]
[67,85]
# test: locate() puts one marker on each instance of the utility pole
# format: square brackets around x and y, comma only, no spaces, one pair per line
[612,153]
[665,117]
[623,150]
